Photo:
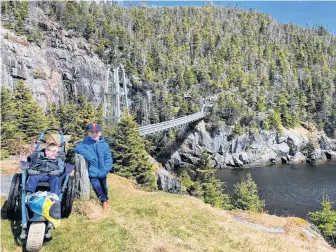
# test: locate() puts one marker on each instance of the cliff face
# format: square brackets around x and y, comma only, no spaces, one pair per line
[229,151]
[60,70]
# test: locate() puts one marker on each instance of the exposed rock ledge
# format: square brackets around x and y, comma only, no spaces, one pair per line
[229,151]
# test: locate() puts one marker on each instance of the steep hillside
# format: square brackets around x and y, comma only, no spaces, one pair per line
[266,74]
[142,221]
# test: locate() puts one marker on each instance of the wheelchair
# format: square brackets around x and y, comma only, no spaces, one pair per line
[35,227]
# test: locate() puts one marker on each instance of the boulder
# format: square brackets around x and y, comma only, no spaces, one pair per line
[237,161]
[298,158]
[281,149]
[228,160]
[244,157]
[330,154]
[173,162]
[219,160]
[284,160]
[268,157]
[326,144]
[187,157]
[167,182]
[316,157]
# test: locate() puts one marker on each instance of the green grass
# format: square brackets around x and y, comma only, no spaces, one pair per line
[159,222]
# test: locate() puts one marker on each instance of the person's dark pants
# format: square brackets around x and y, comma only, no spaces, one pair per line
[100,187]
[54,182]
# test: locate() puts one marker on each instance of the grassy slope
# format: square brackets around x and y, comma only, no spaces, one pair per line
[142,221]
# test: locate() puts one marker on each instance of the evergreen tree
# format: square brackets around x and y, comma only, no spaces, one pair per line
[325,219]
[245,195]
[53,116]
[206,185]
[67,118]
[31,118]
[262,104]
[276,121]
[211,186]
[100,117]
[10,133]
[85,115]
[192,187]
[129,154]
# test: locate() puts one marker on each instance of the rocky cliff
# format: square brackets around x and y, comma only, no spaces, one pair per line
[59,70]
[230,151]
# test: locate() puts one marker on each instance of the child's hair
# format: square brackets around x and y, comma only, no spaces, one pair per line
[50,146]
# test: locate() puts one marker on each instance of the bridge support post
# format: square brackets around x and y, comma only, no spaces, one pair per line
[115,95]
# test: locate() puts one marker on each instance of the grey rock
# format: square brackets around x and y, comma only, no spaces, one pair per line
[282,139]
[187,157]
[167,182]
[244,157]
[67,76]
[219,161]
[237,161]
[298,158]
[229,160]
[316,157]
[330,154]
[326,144]
[45,25]
[284,160]
[204,136]
[44,67]
[6,181]
[267,157]
[281,149]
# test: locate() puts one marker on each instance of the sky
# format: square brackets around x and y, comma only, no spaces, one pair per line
[300,13]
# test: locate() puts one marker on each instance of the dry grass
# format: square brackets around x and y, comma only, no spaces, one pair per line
[161,222]
[10,166]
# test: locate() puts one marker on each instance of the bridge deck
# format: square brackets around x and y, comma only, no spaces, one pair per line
[156,127]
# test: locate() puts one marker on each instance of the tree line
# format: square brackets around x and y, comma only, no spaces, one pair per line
[281,73]
[22,119]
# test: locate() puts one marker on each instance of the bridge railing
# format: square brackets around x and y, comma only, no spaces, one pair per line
[152,128]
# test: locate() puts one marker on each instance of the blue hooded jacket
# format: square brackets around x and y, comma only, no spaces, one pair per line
[97,154]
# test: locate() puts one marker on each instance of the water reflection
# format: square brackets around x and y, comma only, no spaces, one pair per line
[289,190]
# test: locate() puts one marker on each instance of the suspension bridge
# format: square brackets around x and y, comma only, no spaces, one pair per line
[115,100]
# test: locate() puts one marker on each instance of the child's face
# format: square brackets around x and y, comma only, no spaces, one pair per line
[52,153]
[95,134]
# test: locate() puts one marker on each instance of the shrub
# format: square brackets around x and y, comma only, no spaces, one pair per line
[245,195]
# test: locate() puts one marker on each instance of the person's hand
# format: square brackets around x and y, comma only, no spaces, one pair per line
[54,173]
[33,172]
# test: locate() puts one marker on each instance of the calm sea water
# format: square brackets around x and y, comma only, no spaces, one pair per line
[289,190]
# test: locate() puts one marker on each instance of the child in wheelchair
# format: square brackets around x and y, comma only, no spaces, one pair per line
[47,168]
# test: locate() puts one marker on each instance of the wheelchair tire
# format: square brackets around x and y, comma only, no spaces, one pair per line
[14,198]
[68,197]
[35,236]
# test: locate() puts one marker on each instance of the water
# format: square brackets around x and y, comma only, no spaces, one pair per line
[289,190]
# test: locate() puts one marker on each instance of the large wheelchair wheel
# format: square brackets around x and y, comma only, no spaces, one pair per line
[14,198]
[68,197]
[35,236]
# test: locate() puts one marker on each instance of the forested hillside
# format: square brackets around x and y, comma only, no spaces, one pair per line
[266,74]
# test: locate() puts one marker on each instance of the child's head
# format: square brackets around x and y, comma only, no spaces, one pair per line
[95,131]
[51,151]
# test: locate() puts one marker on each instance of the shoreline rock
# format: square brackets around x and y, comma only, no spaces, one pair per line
[229,151]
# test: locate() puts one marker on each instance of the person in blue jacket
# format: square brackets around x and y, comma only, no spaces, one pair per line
[97,153]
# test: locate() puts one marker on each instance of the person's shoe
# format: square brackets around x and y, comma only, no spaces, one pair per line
[105,206]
